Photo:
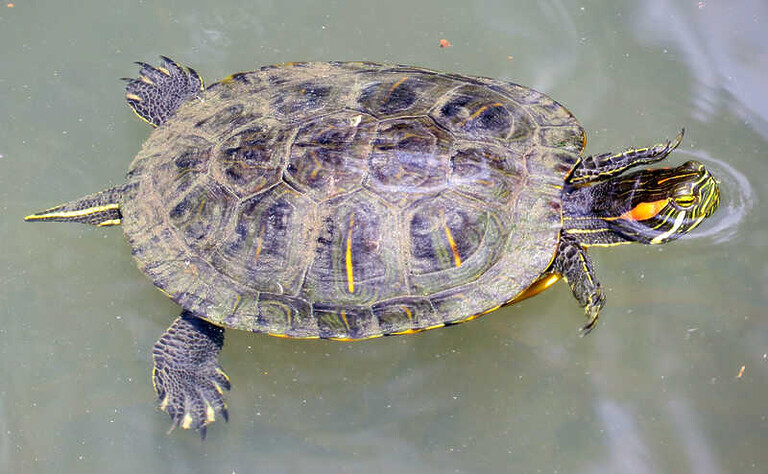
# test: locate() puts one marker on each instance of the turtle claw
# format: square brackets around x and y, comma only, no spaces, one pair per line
[188,380]
[591,324]
[592,311]
[159,91]
[192,400]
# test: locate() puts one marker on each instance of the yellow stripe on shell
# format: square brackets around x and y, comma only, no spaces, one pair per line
[350,268]
[397,84]
[490,310]
[235,306]
[434,326]
[406,331]
[415,330]
[454,248]
[344,318]
[287,336]
[351,339]
[470,318]
[481,110]
[260,244]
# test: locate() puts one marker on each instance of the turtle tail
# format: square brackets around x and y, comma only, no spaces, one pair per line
[99,209]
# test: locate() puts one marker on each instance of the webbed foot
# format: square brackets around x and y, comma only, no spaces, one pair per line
[187,377]
[159,91]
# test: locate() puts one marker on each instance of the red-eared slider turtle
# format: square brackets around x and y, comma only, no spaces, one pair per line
[354,200]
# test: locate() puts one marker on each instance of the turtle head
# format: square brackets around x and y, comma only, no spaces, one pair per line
[654,206]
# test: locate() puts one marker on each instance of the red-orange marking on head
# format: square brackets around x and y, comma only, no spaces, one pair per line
[644,210]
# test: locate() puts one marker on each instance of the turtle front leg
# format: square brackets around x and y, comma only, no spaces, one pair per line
[573,263]
[187,377]
[598,167]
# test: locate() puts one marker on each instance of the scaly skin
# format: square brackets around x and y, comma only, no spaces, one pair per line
[159,91]
[187,376]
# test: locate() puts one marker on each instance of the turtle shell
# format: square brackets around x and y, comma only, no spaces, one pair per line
[351,200]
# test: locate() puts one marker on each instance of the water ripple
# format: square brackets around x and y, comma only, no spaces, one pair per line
[737,198]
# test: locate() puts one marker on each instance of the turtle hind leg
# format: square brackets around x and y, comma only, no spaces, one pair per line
[159,91]
[187,377]
[100,209]
[598,167]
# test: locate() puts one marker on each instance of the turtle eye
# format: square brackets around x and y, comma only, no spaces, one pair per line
[685,201]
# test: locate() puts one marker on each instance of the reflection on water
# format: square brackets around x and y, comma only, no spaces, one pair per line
[627,447]
[696,446]
[725,47]
[630,446]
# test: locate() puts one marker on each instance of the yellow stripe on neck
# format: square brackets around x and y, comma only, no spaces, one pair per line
[678,222]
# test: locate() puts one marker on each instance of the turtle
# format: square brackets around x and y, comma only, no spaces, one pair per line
[352,200]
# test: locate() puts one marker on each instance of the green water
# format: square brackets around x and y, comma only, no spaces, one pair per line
[656,388]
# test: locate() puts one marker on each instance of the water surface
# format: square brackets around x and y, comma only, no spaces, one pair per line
[673,380]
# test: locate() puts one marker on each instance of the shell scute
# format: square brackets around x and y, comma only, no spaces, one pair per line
[252,159]
[485,172]
[201,218]
[329,156]
[403,92]
[459,304]
[409,157]
[356,262]
[336,322]
[409,313]
[477,112]
[269,241]
[286,315]
[451,242]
